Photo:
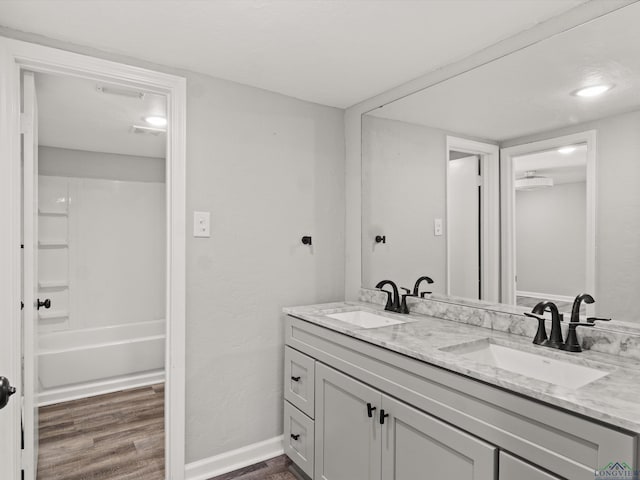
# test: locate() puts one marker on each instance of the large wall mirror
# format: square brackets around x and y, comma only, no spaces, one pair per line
[516,181]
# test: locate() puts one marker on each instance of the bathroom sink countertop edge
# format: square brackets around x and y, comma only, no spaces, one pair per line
[613,399]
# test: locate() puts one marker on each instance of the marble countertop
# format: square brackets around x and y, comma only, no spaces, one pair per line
[613,399]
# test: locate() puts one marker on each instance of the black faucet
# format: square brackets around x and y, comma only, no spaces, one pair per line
[575,310]
[555,338]
[572,344]
[416,287]
[393,302]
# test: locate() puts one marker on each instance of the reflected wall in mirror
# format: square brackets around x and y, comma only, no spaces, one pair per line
[581,234]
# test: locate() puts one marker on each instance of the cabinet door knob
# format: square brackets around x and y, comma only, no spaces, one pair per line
[383,416]
[295,379]
[295,436]
[370,410]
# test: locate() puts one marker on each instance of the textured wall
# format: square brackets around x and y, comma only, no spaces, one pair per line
[550,239]
[403,190]
[270,169]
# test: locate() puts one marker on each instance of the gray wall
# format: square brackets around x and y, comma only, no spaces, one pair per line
[550,239]
[403,190]
[617,211]
[270,169]
[66,162]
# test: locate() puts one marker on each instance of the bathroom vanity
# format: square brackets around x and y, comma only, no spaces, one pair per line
[374,395]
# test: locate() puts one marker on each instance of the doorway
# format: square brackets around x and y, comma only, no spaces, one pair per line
[99,254]
[472,219]
[17,58]
[548,215]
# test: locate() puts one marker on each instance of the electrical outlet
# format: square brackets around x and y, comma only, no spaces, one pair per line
[201,224]
[437,227]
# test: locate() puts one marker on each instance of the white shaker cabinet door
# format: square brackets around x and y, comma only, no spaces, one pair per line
[416,445]
[347,428]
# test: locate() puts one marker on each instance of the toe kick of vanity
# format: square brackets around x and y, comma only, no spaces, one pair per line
[355,410]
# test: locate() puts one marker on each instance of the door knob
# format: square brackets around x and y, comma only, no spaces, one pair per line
[45,304]
[6,390]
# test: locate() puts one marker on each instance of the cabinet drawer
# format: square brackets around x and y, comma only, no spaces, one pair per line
[511,468]
[298,438]
[299,380]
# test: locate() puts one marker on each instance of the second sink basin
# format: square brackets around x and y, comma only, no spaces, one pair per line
[364,319]
[532,365]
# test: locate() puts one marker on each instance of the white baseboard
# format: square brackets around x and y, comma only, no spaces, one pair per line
[84,390]
[234,460]
[546,296]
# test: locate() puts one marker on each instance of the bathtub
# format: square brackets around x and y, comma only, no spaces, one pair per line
[80,363]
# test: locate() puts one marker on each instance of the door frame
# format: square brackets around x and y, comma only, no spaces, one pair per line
[508,200]
[490,226]
[16,56]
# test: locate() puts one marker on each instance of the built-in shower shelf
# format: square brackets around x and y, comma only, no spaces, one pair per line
[52,213]
[53,285]
[54,314]
[53,244]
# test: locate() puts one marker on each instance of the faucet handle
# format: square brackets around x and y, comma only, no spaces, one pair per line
[541,334]
[404,308]
[422,294]
[593,320]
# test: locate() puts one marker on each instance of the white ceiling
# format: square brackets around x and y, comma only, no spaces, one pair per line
[73,114]
[331,52]
[530,91]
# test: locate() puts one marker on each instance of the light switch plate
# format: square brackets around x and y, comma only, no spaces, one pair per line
[437,227]
[201,224]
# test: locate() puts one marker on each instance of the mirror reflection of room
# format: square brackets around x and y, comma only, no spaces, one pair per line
[550,211]
[582,84]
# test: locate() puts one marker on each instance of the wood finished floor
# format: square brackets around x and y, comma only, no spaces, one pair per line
[114,436]
[274,469]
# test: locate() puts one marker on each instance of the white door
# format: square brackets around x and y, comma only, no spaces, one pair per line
[463,227]
[30,276]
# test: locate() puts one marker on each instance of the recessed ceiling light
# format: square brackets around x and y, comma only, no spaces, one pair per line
[592,91]
[156,121]
[567,150]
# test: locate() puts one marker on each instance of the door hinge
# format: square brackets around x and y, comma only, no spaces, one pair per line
[26,123]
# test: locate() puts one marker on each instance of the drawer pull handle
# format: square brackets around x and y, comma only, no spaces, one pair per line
[295,379]
[370,410]
[295,436]
[383,416]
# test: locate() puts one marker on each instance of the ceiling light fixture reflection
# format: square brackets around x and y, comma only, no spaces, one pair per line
[592,91]
[531,181]
[567,150]
[156,121]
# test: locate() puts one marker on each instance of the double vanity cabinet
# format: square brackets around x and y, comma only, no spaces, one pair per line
[356,410]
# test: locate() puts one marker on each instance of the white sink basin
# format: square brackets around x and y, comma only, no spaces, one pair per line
[540,367]
[364,319]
